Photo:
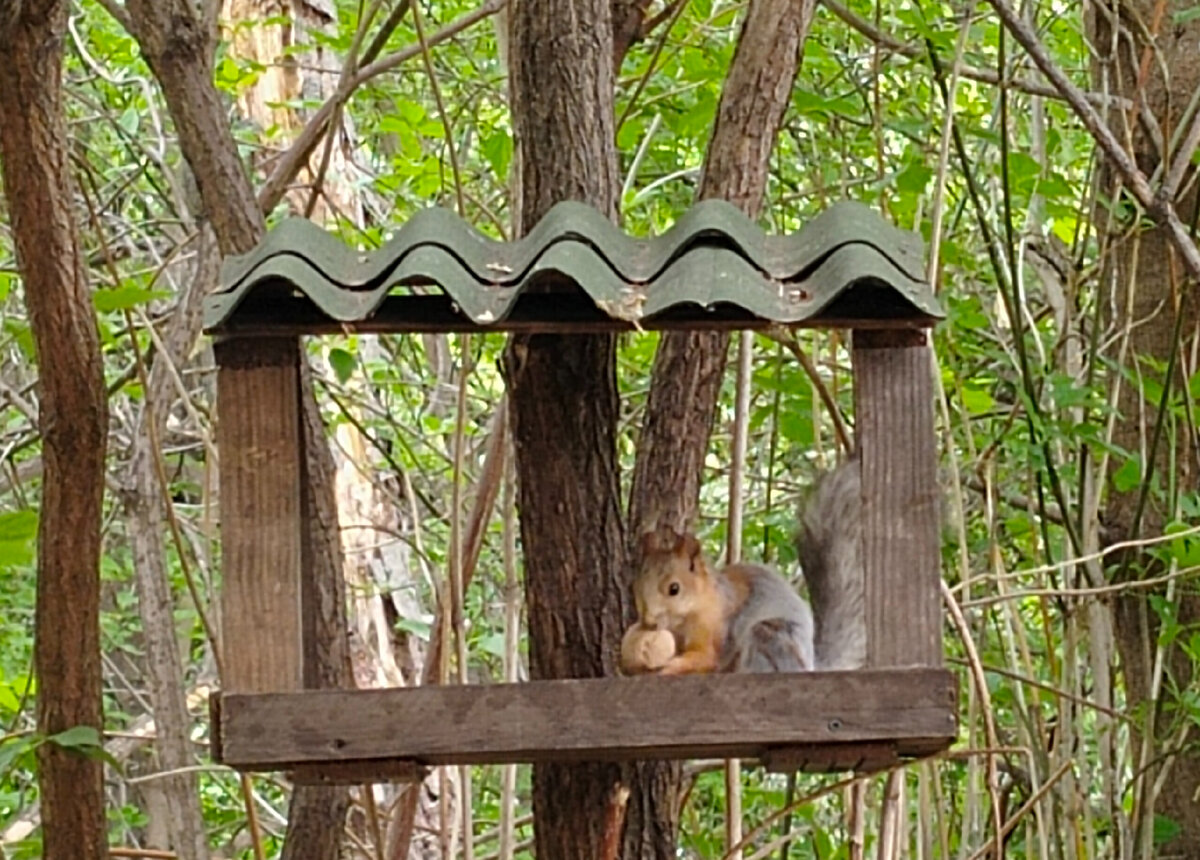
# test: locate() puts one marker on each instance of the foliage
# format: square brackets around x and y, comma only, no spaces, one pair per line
[1027,375]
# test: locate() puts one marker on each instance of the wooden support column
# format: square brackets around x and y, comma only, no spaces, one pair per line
[258,439]
[893,407]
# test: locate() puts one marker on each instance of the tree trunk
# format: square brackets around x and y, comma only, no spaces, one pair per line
[73,420]
[690,366]
[564,400]
[1150,283]
[144,504]
[179,49]
[563,390]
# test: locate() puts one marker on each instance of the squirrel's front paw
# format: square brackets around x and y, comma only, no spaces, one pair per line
[645,650]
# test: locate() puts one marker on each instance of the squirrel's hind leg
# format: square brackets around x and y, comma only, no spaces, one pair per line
[775,645]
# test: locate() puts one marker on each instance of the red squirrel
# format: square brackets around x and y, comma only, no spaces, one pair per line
[697,618]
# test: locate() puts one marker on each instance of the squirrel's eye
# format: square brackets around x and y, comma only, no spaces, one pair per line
[673,589]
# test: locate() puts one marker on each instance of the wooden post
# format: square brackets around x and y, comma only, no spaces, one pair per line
[258,437]
[893,397]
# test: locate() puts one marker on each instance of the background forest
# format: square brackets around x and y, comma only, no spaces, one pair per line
[1047,154]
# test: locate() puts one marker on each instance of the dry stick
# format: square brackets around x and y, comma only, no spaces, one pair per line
[788,340]
[791,807]
[149,853]
[169,509]
[855,796]
[349,66]
[377,843]
[1115,588]
[889,826]
[451,150]
[1057,692]
[297,154]
[512,625]
[1025,807]
[651,66]
[614,820]
[481,511]
[1158,206]
[733,554]
[986,76]
[985,699]
[456,581]
[1179,166]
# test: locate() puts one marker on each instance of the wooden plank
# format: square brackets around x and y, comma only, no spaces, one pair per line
[715,716]
[893,396]
[358,773]
[830,758]
[283,314]
[258,437]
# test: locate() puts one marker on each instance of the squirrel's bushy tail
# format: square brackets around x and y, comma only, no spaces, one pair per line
[829,543]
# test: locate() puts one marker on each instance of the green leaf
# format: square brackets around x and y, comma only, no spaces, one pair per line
[977,400]
[914,177]
[1185,15]
[85,740]
[12,748]
[124,298]
[130,120]
[77,737]
[415,627]
[18,529]
[1165,829]
[1128,476]
[492,643]
[498,149]
[1185,550]
[343,364]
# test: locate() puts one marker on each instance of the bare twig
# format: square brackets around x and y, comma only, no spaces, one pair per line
[1157,206]
[984,76]
[614,820]
[297,154]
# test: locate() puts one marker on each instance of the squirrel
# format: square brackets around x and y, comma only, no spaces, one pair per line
[696,618]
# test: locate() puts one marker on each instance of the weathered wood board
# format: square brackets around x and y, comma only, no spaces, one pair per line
[741,716]
[893,403]
[258,435]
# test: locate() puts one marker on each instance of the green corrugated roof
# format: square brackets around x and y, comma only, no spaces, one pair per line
[713,254]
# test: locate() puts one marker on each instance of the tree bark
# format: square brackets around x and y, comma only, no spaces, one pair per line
[564,400]
[1150,283]
[73,420]
[689,366]
[179,50]
[143,502]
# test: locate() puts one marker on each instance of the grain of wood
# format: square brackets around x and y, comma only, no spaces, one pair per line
[589,719]
[258,435]
[893,393]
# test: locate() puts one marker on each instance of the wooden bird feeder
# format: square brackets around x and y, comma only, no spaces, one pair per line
[715,269]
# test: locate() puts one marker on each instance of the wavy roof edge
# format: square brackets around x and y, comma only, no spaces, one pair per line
[713,253]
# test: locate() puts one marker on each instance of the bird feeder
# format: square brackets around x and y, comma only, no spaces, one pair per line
[576,272]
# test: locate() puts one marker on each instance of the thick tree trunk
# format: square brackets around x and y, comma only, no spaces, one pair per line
[564,400]
[563,391]
[73,420]
[1149,284]
[690,366]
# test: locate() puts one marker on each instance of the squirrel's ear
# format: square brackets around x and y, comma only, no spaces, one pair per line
[687,546]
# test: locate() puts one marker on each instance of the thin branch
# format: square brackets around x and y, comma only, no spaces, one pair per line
[1183,157]
[985,76]
[298,153]
[1156,205]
